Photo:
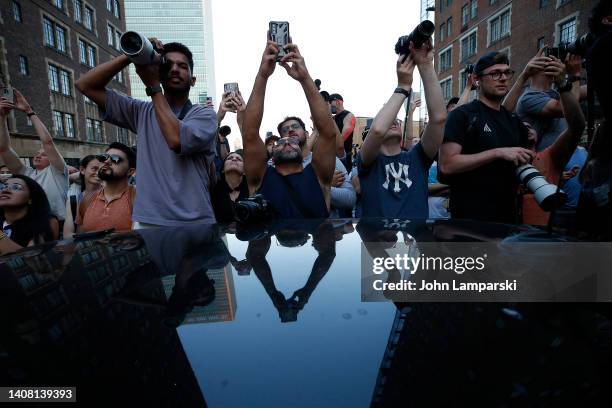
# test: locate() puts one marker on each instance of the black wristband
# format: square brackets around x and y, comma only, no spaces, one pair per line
[403,92]
[31,114]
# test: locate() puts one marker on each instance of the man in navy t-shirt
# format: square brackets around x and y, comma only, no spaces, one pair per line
[393,181]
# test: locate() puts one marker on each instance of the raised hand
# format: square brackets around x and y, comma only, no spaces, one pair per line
[555,69]
[423,55]
[297,70]
[573,64]
[405,71]
[5,107]
[21,103]
[516,155]
[268,60]
[536,64]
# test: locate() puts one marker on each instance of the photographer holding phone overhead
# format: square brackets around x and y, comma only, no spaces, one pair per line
[292,189]
[176,139]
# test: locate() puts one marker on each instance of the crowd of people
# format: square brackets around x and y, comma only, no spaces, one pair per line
[462,165]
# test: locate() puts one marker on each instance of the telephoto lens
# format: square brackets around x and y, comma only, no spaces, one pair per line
[139,49]
[418,36]
[547,195]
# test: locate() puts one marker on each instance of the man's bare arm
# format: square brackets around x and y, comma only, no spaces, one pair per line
[93,83]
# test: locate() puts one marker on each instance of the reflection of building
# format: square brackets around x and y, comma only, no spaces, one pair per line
[465,30]
[185,21]
[45,46]
[222,309]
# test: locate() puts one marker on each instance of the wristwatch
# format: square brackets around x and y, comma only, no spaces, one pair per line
[152,90]
[403,92]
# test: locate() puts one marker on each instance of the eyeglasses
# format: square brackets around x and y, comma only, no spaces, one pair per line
[496,75]
[115,158]
[294,126]
[14,187]
[287,140]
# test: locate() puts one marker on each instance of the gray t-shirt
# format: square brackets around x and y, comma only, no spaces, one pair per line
[172,187]
[529,109]
[55,183]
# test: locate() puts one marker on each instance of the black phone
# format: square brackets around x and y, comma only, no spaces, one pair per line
[279,33]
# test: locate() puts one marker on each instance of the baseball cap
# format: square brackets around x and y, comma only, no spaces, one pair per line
[488,60]
[271,137]
[335,96]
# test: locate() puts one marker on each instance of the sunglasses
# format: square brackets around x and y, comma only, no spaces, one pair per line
[14,187]
[287,140]
[285,129]
[115,158]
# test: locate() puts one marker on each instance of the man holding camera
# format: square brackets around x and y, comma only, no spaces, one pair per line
[176,140]
[293,190]
[345,121]
[394,181]
[482,148]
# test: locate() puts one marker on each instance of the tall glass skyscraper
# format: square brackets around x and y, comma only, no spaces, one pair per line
[185,21]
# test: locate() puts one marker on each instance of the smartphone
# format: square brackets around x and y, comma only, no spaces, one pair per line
[208,99]
[8,94]
[552,52]
[231,87]
[279,33]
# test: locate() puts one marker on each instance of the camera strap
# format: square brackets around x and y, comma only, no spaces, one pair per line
[186,108]
[296,199]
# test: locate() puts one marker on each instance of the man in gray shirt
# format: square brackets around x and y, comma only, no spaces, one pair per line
[176,141]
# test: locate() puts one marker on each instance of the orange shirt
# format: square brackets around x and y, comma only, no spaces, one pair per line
[532,213]
[96,214]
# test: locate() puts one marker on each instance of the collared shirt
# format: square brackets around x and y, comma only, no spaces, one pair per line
[97,214]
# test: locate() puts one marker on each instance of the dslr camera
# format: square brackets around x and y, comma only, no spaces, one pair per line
[253,209]
[418,36]
[139,49]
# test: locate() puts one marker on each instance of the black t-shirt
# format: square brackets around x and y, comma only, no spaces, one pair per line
[221,201]
[599,72]
[488,192]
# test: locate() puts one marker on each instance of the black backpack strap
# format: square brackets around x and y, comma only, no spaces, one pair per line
[296,199]
[73,207]
[186,108]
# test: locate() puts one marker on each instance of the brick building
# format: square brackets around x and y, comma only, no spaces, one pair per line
[467,29]
[45,46]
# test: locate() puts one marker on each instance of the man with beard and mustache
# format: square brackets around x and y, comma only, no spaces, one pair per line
[294,190]
[176,140]
[111,206]
[482,148]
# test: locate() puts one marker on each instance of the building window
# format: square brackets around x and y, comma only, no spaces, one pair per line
[499,27]
[98,132]
[59,4]
[58,124]
[109,5]
[562,2]
[87,54]
[474,8]
[54,35]
[447,91]
[78,10]
[122,136]
[449,27]
[54,78]
[465,15]
[117,40]
[89,18]
[69,125]
[492,2]
[16,9]
[110,33]
[116,9]
[119,76]
[66,82]
[463,81]
[87,100]
[543,3]
[468,46]
[24,68]
[446,59]
[442,31]
[89,129]
[540,43]
[567,31]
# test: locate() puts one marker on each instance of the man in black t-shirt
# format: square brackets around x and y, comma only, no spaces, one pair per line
[481,148]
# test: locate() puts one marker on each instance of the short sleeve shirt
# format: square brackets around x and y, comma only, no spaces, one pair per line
[529,109]
[395,186]
[173,187]
[55,183]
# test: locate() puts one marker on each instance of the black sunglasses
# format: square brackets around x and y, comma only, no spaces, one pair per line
[115,158]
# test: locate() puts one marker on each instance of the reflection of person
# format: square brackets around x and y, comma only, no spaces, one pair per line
[323,240]
[25,215]
[231,188]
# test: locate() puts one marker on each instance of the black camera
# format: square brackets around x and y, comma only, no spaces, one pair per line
[469,69]
[559,52]
[418,36]
[582,44]
[253,209]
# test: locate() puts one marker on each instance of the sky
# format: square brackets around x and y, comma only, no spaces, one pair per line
[348,45]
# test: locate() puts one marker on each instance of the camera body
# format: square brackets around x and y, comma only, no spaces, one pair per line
[559,52]
[469,69]
[418,36]
[253,209]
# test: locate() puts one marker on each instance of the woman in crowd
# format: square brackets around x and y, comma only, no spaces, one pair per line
[231,188]
[89,182]
[25,214]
